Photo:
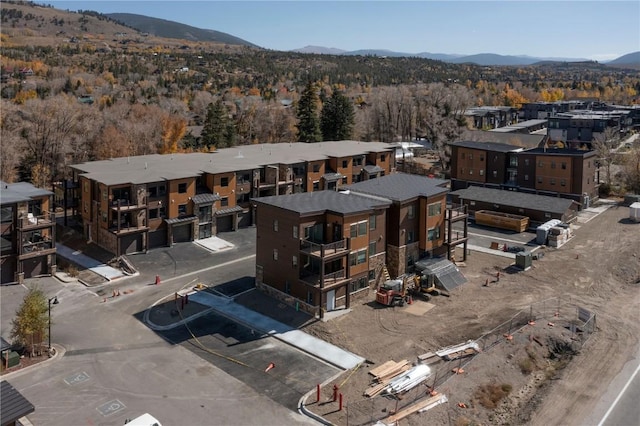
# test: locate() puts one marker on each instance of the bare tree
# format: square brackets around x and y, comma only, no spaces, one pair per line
[604,144]
[631,170]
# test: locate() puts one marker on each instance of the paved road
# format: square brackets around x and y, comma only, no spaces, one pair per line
[116,368]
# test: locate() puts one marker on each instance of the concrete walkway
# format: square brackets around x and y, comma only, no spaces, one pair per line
[296,338]
[87,262]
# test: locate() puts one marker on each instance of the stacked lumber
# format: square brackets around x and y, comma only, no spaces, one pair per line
[415,407]
[461,354]
[383,374]
[389,369]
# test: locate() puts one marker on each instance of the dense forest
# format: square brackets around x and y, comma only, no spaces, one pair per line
[79,86]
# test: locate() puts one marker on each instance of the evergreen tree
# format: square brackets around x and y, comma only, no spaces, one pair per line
[31,321]
[308,122]
[337,118]
[218,130]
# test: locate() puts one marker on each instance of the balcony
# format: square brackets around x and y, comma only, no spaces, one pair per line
[324,251]
[321,281]
[128,205]
[38,248]
[32,222]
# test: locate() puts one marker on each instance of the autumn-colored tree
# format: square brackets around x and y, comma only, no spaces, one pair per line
[173,129]
[29,327]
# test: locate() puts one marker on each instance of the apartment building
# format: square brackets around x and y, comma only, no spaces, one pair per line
[580,128]
[134,204]
[323,249]
[491,117]
[544,110]
[558,172]
[27,226]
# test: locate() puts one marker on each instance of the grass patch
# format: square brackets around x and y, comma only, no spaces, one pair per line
[490,395]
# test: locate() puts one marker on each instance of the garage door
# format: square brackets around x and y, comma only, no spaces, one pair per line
[225,223]
[34,267]
[245,219]
[7,268]
[158,238]
[182,233]
[131,244]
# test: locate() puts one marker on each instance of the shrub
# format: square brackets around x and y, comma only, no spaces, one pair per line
[490,395]
[72,271]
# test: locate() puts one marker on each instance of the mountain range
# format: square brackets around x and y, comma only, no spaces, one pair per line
[176,30]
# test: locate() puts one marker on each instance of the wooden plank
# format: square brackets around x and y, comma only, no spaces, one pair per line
[376,371]
[375,390]
[412,408]
[396,366]
[395,373]
[426,356]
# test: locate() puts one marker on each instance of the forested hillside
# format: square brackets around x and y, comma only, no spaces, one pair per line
[79,86]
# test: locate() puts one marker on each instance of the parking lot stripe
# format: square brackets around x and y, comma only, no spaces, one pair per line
[231,262]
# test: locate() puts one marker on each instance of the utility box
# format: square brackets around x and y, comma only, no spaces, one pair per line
[10,359]
[524,260]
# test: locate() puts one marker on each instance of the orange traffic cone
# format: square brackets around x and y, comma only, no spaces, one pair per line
[270,367]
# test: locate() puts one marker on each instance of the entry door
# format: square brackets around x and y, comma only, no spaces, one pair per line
[331,300]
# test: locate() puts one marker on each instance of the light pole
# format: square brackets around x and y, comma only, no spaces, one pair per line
[52,301]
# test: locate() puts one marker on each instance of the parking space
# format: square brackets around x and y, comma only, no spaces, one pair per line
[245,354]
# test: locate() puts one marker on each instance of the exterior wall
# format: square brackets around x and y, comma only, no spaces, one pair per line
[584,178]
[398,258]
[85,199]
[177,199]
[227,192]
[336,163]
[376,263]
[313,176]
[470,164]
[358,162]
[554,173]
[428,222]
[382,160]
[496,167]
[527,170]
[357,243]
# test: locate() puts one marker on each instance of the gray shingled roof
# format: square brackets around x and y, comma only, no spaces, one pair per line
[487,146]
[373,169]
[330,177]
[205,198]
[521,200]
[399,187]
[11,193]
[229,210]
[308,203]
[155,168]
[556,151]
[181,219]
[14,405]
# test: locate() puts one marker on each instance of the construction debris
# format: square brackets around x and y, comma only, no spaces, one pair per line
[459,351]
[389,369]
[409,379]
[421,405]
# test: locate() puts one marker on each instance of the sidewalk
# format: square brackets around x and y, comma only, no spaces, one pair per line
[160,317]
[89,263]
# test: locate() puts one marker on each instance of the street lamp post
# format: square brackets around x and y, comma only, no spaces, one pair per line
[52,301]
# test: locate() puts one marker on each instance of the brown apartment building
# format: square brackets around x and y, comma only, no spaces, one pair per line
[28,232]
[555,172]
[134,204]
[325,248]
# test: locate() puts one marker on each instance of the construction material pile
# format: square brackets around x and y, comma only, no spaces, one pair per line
[396,377]
[409,379]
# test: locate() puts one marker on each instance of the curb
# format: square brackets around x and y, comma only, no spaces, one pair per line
[302,409]
[60,351]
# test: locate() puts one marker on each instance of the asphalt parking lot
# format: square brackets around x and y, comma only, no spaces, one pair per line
[245,355]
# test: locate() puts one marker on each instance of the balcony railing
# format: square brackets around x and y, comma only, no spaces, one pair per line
[324,250]
[127,229]
[33,247]
[124,204]
[323,281]
[31,221]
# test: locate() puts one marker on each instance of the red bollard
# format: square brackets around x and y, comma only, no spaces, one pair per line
[318,393]
[340,403]
[335,393]
[157,279]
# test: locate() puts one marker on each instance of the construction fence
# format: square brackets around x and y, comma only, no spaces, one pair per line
[562,312]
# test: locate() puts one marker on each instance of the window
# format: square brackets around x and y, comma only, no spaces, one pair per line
[294,261]
[547,215]
[372,275]
[316,185]
[526,161]
[345,164]
[86,207]
[481,172]
[495,173]
[526,177]
[539,179]
[358,257]
[153,213]
[224,201]
[224,181]
[462,171]
[553,181]
[372,222]
[563,165]
[275,254]
[540,163]
[104,194]
[182,209]
[495,158]
[470,156]
[563,182]
[153,191]
[358,229]
[357,161]
[316,168]
[410,237]
[411,211]
[182,188]
[433,234]
[482,158]
[359,284]
[470,171]
[383,158]
[553,164]
[275,225]
[472,203]
[434,209]
[295,231]
[372,248]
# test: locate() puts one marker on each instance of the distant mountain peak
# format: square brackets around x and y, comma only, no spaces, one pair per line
[320,50]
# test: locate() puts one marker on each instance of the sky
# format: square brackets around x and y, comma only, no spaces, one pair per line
[598,30]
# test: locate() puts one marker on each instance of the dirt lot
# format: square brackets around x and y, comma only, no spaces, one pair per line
[537,374]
